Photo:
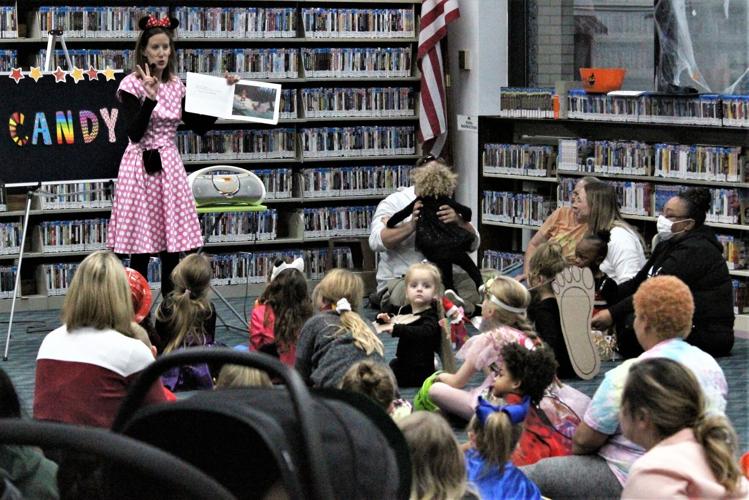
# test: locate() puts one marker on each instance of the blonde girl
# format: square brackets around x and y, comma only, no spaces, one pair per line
[494,432]
[420,340]
[337,337]
[504,320]
[186,318]
[88,388]
[242,376]
[439,471]
[547,261]
[689,454]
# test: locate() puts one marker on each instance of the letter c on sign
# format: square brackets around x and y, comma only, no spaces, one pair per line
[16,120]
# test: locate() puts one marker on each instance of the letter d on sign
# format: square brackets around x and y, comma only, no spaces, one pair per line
[89,125]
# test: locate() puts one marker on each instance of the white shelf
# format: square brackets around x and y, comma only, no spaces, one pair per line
[336,159]
[508,224]
[743,273]
[652,178]
[530,178]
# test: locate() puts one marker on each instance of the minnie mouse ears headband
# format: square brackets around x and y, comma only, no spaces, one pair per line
[148,22]
[297,264]
[516,412]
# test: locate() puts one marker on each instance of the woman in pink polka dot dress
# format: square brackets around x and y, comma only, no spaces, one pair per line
[153,210]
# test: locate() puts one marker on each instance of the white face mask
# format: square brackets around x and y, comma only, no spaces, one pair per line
[664,228]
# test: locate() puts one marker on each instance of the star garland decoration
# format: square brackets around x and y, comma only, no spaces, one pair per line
[77,74]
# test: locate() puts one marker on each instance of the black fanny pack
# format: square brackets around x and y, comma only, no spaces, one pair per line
[152,161]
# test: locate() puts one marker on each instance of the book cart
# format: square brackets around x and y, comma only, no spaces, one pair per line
[345,140]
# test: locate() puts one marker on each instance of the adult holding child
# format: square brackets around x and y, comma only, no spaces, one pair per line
[397,245]
[599,206]
[564,226]
[153,211]
[602,455]
[690,251]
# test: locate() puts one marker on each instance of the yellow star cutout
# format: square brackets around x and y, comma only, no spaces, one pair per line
[108,73]
[77,74]
[36,73]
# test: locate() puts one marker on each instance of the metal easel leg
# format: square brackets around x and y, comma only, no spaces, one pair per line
[218,294]
[17,287]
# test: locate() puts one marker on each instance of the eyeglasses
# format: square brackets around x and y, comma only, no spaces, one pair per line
[429,158]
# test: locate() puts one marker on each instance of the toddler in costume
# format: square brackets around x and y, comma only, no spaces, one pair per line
[279,313]
[443,244]
[494,432]
[420,340]
[504,321]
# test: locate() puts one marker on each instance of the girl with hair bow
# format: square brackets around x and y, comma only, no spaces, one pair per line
[336,337]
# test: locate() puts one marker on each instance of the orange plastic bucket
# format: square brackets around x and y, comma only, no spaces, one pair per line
[602,80]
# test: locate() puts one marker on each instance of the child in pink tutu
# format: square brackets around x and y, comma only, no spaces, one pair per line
[504,321]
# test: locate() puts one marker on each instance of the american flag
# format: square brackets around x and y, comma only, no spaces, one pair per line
[435,16]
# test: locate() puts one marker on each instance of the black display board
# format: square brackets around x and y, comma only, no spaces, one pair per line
[54,129]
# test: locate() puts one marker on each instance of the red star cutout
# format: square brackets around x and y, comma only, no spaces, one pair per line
[92,73]
[16,75]
[59,75]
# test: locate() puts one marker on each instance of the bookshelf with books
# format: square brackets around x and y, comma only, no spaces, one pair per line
[346,137]
[647,163]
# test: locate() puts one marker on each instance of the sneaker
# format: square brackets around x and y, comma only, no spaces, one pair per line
[454,297]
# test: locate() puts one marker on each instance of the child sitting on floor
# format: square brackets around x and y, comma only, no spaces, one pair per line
[186,318]
[441,243]
[376,381]
[494,432]
[439,471]
[544,265]
[337,337]
[420,340]
[280,312]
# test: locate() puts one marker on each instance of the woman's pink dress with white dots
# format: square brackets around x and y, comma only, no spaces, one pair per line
[154,213]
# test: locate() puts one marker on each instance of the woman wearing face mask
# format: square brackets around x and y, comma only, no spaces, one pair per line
[690,251]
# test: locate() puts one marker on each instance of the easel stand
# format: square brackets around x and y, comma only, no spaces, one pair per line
[53,36]
[16,289]
[221,210]
[35,191]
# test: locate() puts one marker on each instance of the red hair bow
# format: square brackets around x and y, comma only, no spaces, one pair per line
[153,22]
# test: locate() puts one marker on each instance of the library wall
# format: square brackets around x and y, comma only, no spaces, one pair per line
[483,33]
[556,41]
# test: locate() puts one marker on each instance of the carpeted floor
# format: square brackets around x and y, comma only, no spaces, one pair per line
[30,327]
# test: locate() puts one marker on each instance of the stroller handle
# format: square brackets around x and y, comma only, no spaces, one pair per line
[300,397]
[141,457]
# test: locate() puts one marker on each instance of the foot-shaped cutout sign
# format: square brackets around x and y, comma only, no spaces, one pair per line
[574,290]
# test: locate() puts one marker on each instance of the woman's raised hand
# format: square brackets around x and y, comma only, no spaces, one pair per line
[150,83]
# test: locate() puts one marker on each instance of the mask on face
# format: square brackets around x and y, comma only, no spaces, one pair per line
[664,228]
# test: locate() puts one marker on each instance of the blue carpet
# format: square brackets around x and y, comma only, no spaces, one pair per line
[24,346]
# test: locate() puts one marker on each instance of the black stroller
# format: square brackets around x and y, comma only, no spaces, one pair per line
[257,442]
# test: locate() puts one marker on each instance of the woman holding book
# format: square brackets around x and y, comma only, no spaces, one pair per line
[689,250]
[153,210]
